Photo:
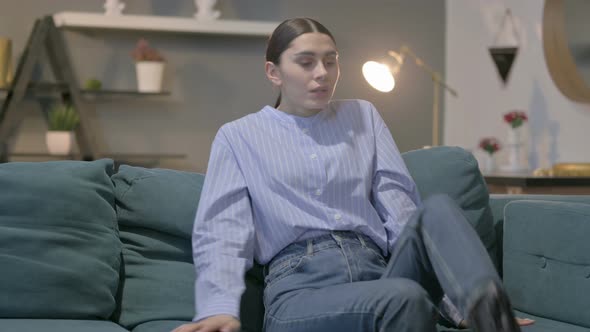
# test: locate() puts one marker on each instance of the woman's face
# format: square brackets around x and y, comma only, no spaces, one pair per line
[307,74]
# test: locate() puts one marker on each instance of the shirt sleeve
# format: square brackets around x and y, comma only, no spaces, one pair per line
[394,192]
[223,235]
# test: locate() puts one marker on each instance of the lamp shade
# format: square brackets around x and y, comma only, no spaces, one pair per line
[379,76]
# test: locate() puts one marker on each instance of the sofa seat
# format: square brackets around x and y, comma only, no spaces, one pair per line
[59,325]
[549,325]
[159,326]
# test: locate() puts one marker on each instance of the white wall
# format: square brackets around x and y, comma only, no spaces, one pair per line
[558,129]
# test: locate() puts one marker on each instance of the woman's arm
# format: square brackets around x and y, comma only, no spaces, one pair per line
[395,195]
[223,235]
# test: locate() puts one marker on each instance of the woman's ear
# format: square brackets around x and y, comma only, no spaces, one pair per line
[272,73]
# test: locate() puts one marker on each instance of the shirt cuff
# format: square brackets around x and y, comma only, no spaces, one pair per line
[220,306]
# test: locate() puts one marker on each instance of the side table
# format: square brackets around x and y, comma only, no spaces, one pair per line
[527,183]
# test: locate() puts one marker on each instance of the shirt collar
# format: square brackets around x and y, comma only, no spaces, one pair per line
[299,121]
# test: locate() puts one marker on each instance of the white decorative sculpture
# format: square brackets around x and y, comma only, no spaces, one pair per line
[205,11]
[113,7]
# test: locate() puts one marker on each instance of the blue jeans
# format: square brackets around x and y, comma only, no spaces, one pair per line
[341,282]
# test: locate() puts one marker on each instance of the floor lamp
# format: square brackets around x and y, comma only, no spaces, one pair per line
[382,77]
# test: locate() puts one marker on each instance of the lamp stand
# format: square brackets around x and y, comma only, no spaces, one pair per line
[437,81]
[435,110]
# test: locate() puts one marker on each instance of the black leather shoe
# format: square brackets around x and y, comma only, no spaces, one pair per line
[492,312]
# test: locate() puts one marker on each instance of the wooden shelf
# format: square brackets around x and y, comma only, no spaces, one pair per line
[163,23]
[526,183]
[50,89]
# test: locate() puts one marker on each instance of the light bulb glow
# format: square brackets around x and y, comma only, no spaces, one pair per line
[379,76]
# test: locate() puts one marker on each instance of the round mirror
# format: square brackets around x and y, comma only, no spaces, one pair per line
[566,43]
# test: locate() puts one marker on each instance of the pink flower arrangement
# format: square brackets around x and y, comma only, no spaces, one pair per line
[490,145]
[515,118]
[143,52]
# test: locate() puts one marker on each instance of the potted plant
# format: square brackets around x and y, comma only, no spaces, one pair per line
[62,121]
[515,140]
[491,146]
[515,118]
[149,65]
[93,84]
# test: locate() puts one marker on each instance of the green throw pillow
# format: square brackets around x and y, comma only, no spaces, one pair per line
[59,248]
[454,171]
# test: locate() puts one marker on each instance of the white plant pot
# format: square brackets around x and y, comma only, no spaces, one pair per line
[149,76]
[59,142]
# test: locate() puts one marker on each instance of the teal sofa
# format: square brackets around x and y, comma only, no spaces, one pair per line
[85,248]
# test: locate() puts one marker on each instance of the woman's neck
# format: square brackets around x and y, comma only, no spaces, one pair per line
[302,112]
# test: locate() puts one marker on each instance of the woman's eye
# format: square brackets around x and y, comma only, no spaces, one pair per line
[306,64]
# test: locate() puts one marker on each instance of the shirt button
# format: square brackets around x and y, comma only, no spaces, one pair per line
[313,156]
[337,216]
[318,192]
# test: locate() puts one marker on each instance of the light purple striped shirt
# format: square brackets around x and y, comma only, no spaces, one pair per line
[274,178]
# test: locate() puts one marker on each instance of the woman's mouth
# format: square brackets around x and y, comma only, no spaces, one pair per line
[320,92]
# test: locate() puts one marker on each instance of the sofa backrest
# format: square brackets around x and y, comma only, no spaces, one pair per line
[156,210]
[59,247]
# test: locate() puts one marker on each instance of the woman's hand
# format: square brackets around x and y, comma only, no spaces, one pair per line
[218,323]
[519,321]
[524,321]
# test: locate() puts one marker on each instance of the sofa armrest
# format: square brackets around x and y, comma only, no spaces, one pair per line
[499,201]
[547,259]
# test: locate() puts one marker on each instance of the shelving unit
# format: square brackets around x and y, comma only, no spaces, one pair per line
[80,20]
[46,43]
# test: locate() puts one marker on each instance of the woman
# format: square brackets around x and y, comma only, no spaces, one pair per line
[317,191]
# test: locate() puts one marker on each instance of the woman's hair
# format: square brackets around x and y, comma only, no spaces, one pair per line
[284,34]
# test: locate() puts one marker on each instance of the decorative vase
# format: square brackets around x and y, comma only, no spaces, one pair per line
[59,142]
[205,11]
[149,75]
[514,147]
[489,163]
[113,7]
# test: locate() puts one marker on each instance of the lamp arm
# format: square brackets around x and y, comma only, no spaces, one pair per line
[436,76]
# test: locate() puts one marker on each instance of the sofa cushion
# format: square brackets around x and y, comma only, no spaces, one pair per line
[156,210]
[60,251]
[547,259]
[454,171]
[58,325]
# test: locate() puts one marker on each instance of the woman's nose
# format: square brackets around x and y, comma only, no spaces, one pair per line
[320,70]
